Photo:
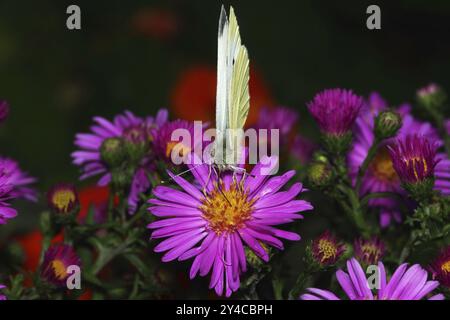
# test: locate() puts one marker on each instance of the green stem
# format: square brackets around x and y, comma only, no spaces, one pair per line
[301,282]
[376,195]
[362,170]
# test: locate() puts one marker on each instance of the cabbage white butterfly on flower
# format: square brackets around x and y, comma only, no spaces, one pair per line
[232,96]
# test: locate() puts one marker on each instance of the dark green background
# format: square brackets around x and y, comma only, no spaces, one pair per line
[56,79]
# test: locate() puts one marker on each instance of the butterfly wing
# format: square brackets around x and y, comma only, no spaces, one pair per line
[222,87]
[233,97]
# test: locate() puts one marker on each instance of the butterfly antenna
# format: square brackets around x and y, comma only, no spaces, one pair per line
[180,174]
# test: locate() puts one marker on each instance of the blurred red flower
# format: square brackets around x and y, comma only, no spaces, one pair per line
[194,94]
[158,23]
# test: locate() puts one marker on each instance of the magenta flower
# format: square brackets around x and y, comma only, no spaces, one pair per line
[2,297]
[6,187]
[405,284]
[413,158]
[57,259]
[369,251]
[164,145]
[106,136]
[381,175]
[212,220]
[19,179]
[440,268]
[4,110]
[281,118]
[326,250]
[335,110]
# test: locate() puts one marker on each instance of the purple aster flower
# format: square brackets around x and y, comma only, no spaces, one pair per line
[2,297]
[380,175]
[19,179]
[164,145]
[62,198]
[302,149]
[326,250]
[138,135]
[212,220]
[369,251]
[6,212]
[335,110]
[440,268]
[405,284]
[57,259]
[4,110]
[281,118]
[413,158]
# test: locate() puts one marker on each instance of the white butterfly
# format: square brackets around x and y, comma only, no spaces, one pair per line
[232,96]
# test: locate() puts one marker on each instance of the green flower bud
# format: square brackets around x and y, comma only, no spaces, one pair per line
[113,152]
[387,124]
[319,173]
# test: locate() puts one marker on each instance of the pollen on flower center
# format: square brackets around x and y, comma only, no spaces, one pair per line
[327,249]
[63,199]
[446,267]
[59,269]
[179,147]
[415,163]
[382,166]
[227,210]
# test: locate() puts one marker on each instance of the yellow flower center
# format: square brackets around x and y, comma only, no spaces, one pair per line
[59,269]
[415,163]
[227,210]
[445,267]
[178,147]
[382,166]
[371,251]
[327,249]
[62,199]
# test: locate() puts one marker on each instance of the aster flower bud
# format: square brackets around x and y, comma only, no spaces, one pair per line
[319,173]
[440,267]
[326,250]
[387,124]
[369,251]
[63,198]
[57,259]
[4,110]
[431,96]
[113,152]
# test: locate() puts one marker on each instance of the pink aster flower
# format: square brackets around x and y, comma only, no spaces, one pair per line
[20,180]
[440,268]
[281,118]
[164,145]
[212,220]
[136,133]
[335,110]
[407,283]
[381,175]
[413,158]
[57,259]
[326,250]
[369,251]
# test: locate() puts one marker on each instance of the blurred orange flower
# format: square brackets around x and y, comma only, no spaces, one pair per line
[194,94]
